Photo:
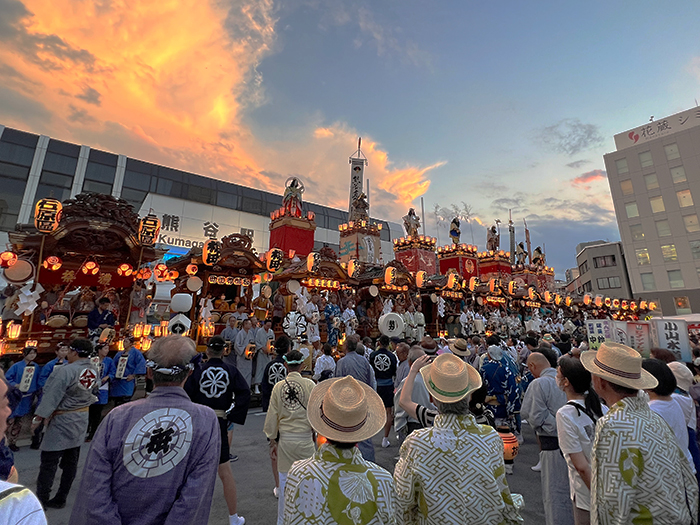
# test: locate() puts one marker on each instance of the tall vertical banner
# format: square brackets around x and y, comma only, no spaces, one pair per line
[599,331]
[639,337]
[672,334]
[357,174]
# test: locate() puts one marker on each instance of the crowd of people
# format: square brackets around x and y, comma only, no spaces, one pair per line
[617,433]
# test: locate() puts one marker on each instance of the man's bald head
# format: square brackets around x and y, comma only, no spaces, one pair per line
[537,363]
[168,352]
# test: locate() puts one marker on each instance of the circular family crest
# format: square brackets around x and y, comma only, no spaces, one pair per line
[158,442]
[214,381]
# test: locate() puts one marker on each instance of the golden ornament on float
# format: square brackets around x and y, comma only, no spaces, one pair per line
[47,215]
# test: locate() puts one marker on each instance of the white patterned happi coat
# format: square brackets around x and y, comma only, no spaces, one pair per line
[338,486]
[453,472]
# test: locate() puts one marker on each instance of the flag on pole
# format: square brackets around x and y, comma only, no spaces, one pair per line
[529,244]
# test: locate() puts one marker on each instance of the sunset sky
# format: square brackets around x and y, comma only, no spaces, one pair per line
[499,105]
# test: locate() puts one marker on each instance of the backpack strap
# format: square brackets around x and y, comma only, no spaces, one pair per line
[12,490]
[580,408]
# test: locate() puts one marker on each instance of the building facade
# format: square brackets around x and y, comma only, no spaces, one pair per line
[602,270]
[654,178]
[192,208]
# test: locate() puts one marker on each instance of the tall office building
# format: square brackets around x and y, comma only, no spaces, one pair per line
[192,208]
[654,178]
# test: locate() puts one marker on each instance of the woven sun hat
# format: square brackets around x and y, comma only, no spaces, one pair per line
[548,338]
[428,345]
[449,379]
[618,364]
[684,377]
[345,410]
[459,347]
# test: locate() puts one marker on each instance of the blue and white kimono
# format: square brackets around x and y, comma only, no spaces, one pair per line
[331,311]
[502,382]
[14,377]
[135,365]
[48,368]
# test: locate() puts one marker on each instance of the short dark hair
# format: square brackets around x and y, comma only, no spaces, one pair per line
[663,374]
[663,354]
[216,345]
[282,345]
[564,338]
[295,355]
[384,341]
[104,300]
[622,390]
[82,346]
[530,341]
[493,340]
[350,345]
[550,354]
[327,349]
[341,444]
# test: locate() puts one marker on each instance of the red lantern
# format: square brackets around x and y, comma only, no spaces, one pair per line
[173,274]
[125,270]
[211,252]
[7,259]
[52,263]
[274,260]
[192,269]
[90,268]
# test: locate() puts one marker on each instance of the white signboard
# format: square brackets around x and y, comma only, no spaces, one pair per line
[672,334]
[658,128]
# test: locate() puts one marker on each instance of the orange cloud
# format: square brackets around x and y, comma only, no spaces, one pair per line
[167,81]
[584,180]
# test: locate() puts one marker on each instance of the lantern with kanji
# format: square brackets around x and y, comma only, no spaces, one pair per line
[90,268]
[390,275]
[47,215]
[52,263]
[421,278]
[149,227]
[138,331]
[211,252]
[125,270]
[510,447]
[13,330]
[353,266]
[192,269]
[7,259]
[312,262]
[274,260]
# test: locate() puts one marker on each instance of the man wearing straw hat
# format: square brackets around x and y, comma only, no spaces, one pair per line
[638,471]
[286,423]
[337,485]
[453,472]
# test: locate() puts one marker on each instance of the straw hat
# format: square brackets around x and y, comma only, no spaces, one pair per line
[449,379]
[618,364]
[548,337]
[684,377]
[428,345]
[345,410]
[459,347]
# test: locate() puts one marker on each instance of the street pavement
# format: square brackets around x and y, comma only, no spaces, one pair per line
[256,501]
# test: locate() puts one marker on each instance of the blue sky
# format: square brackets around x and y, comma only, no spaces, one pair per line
[497,104]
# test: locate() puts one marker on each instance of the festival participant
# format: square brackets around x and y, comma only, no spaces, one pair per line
[125,366]
[101,317]
[325,363]
[337,485]
[384,364]
[68,394]
[503,390]
[261,307]
[638,471]
[439,479]
[240,314]
[419,318]
[332,312]
[429,345]
[286,423]
[401,351]
[460,348]
[17,504]
[661,402]
[353,364]
[243,346]
[404,422]
[24,375]
[264,339]
[103,363]
[575,428]
[220,386]
[62,349]
[275,371]
[153,461]
[684,380]
[231,331]
[542,400]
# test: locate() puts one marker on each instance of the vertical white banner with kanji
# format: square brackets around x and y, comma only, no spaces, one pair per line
[672,334]
[639,337]
[599,331]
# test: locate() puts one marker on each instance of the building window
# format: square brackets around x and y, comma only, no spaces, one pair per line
[587,287]
[632,210]
[668,251]
[675,279]
[691,223]
[614,282]
[621,165]
[695,249]
[608,282]
[651,181]
[603,283]
[637,232]
[663,228]
[685,199]
[678,174]
[648,283]
[645,159]
[672,152]
[626,187]
[657,204]
[642,256]
[583,268]
[604,262]
[682,305]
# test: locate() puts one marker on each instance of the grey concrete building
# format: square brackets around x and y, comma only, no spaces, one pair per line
[602,270]
[654,178]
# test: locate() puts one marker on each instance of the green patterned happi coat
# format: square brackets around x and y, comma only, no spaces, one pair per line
[640,475]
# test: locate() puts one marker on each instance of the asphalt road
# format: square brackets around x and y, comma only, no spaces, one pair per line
[256,501]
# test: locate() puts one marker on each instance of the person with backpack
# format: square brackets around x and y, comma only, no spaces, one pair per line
[576,428]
